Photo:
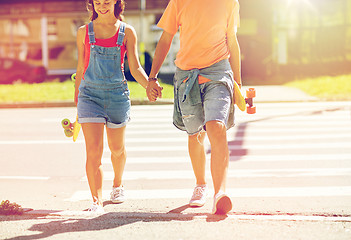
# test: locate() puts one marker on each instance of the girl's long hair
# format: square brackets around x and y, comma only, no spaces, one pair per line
[119,9]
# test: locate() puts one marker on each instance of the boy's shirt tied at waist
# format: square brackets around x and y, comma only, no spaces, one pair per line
[218,72]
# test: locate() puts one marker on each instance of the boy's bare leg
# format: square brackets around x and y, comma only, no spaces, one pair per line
[217,135]
[197,156]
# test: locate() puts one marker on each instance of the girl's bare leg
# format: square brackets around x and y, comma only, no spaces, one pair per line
[93,134]
[116,142]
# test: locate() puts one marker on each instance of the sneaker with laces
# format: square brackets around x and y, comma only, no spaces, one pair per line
[199,196]
[96,208]
[222,204]
[117,194]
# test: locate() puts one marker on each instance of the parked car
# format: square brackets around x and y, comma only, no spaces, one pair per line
[16,71]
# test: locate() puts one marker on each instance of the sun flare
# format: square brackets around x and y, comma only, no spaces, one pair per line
[291,3]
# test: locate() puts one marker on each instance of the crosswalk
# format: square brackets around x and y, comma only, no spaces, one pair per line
[284,150]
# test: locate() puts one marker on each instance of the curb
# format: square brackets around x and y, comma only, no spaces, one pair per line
[72,104]
[133,102]
[265,94]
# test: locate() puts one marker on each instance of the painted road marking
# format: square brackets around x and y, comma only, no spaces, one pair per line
[330,145]
[23,178]
[290,218]
[291,157]
[324,145]
[183,139]
[341,191]
[268,146]
[232,173]
[243,158]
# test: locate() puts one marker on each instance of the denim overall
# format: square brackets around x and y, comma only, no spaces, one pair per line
[103,93]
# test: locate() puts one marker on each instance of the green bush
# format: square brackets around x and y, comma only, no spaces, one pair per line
[333,88]
[61,91]
[8,208]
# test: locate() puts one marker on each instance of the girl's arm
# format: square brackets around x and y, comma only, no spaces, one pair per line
[235,57]
[132,53]
[80,65]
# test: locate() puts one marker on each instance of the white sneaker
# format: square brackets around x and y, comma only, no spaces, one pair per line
[96,208]
[117,194]
[222,204]
[199,196]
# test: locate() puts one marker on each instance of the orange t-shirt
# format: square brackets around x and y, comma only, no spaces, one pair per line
[204,27]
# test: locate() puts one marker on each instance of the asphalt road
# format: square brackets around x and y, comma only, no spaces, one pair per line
[289,177]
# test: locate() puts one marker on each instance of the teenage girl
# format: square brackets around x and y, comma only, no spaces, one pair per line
[102,94]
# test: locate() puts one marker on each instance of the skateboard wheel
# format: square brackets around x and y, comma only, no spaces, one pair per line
[73,77]
[251,93]
[68,132]
[66,123]
[251,110]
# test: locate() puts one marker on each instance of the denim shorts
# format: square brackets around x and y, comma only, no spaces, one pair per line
[109,106]
[215,106]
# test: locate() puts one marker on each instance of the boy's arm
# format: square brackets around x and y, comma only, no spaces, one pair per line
[161,52]
[235,57]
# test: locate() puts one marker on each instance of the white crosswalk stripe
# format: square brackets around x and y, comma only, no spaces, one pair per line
[281,141]
[232,173]
[237,192]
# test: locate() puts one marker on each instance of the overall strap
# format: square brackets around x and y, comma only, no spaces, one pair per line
[91,33]
[121,34]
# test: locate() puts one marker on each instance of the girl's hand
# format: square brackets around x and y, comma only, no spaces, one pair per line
[153,91]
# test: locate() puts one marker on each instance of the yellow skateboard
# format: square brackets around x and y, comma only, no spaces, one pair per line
[242,102]
[71,129]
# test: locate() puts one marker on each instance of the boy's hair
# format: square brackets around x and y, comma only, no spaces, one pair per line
[119,9]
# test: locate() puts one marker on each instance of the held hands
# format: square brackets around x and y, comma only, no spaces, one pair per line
[153,90]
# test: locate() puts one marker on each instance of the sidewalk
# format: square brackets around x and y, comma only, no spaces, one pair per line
[277,93]
[268,93]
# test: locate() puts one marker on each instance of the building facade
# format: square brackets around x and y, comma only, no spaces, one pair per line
[278,38]
[44,32]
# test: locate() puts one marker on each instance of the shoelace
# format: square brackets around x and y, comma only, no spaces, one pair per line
[198,192]
[94,207]
[117,193]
